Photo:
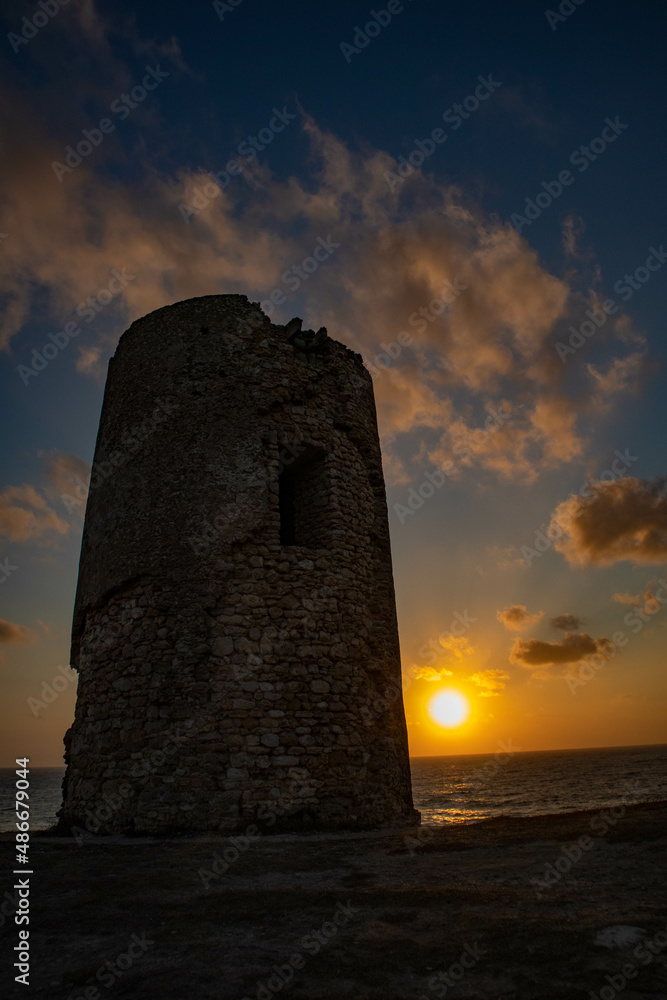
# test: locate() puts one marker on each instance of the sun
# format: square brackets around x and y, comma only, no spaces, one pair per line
[449,708]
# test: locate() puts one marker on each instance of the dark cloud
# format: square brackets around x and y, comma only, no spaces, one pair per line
[568,623]
[625,519]
[649,601]
[573,648]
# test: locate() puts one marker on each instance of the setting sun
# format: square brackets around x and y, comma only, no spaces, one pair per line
[449,708]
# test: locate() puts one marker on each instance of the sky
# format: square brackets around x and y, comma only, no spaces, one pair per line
[488,182]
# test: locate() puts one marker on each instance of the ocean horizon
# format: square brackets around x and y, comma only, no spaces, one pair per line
[461,788]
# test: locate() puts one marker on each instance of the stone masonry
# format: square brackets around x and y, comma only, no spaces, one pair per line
[235,628]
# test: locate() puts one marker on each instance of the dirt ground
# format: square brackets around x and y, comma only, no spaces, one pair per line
[505,909]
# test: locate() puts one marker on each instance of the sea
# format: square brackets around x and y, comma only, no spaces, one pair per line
[462,789]
[465,789]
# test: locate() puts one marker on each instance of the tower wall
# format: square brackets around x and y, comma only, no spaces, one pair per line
[235,628]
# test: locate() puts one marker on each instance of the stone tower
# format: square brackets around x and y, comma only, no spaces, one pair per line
[235,627]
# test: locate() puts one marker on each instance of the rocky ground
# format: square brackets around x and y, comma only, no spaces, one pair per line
[505,909]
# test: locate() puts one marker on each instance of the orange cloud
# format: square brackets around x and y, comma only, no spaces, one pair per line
[9,632]
[424,673]
[515,617]
[492,347]
[530,440]
[25,516]
[67,480]
[622,375]
[622,520]
[492,682]
[457,644]
[646,602]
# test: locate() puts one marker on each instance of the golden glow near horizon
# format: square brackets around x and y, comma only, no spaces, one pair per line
[449,708]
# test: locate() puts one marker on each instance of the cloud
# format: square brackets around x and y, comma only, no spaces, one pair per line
[25,516]
[646,602]
[506,557]
[492,682]
[11,633]
[623,375]
[515,617]
[568,623]
[573,230]
[457,644]
[622,520]
[424,673]
[67,478]
[625,332]
[634,600]
[572,649]
[398,254]
[531,440]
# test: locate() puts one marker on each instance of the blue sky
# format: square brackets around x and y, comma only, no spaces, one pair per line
[326,175]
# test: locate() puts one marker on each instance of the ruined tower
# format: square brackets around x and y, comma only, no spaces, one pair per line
[235,627]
